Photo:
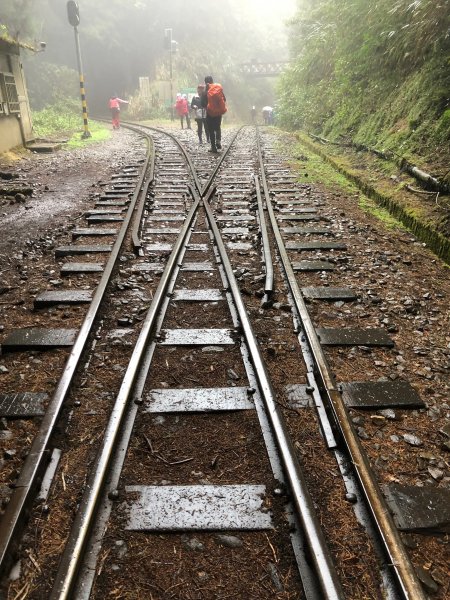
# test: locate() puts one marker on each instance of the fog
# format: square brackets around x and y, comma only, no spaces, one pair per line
[123,41]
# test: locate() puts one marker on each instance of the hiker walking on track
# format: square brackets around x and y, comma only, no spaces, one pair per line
[114,105]
[215,103]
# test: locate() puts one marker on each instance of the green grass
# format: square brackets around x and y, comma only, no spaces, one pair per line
[321,172]
[383,215]
[59,122]
[316,170]
[99,133]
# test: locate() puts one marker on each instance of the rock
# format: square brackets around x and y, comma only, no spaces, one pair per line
[426,579]
[439,576]
[123,321]
[446,430]
[436,474]
[122,548]
[230,541]
[3,369]
[412,440]
[362,433]
[409,541]
[388,413]
[275,577]
[233,375]
[16,571]
[192,543]
[434,413]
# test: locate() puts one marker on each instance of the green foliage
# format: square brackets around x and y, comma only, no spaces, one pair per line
[62,120]
[144,108]
[59,119]
[374,72]
[50,83]
[21,18]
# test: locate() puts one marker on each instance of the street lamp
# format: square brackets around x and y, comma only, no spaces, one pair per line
[73,14]
[42,47]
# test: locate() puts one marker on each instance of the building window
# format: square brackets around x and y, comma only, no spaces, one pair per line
[9,93]
[2,96]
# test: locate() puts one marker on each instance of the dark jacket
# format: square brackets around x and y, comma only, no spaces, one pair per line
[196,102]
[200,110]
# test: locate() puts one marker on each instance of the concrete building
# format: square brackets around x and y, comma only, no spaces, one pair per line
[15,115]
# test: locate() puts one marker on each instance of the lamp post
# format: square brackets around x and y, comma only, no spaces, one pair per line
[73,14]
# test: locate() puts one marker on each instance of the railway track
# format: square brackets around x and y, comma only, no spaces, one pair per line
[180,470]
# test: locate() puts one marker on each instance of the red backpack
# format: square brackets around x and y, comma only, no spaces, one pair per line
[216,100]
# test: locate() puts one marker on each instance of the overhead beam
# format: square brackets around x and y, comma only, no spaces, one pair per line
[263,69]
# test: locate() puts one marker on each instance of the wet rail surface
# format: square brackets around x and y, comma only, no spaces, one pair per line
[198,363]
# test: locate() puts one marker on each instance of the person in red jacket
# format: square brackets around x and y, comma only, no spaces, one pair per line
[114,105]
[182,108]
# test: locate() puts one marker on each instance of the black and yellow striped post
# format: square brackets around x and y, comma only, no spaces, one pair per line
[73,14]
[86,132]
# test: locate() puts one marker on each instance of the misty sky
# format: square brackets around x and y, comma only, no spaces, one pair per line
[123,40]
[269,12]
[282,8]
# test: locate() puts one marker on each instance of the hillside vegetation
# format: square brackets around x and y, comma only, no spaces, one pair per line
[375,73]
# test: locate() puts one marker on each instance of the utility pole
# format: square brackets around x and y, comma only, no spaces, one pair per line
[73,14]
[171,45]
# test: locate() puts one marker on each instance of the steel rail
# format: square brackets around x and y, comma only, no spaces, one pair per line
[136,239]
[73,553]
[188,159]
[22,497]
[268,287]
[405,575]
[210,181]
[320,555]
[71,559]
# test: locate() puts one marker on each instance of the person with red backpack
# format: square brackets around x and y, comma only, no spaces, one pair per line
[215,103]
